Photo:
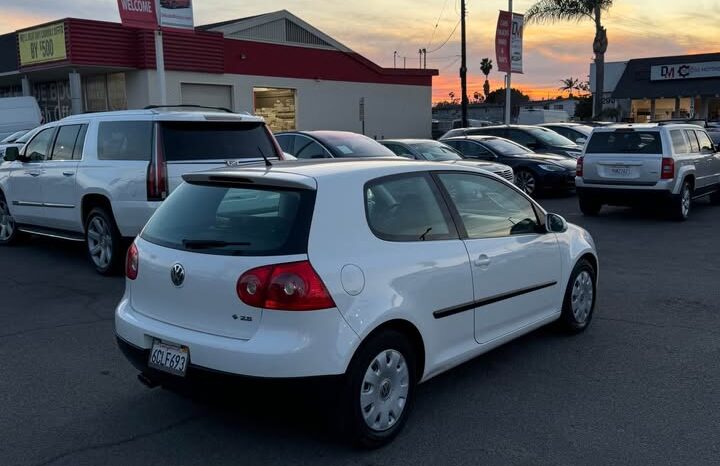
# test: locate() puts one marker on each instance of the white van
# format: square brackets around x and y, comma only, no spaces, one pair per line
[18,113]
[536,116]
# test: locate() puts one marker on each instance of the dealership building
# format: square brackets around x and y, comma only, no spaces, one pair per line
[660,88]
[274,65]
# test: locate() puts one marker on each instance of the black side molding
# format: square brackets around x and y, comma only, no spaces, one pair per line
[492,299]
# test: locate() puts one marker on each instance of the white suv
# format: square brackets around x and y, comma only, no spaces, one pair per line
[99,177]
[383,273]
[657,163]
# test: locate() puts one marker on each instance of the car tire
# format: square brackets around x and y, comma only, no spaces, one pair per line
[9,233]
[104,243]
[527,182]
[589,206]
[579,300]
[680,204]
[378,390]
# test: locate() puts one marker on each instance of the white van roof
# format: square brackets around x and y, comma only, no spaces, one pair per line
[19,113]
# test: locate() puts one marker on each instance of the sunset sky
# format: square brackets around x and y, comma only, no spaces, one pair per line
[376,28]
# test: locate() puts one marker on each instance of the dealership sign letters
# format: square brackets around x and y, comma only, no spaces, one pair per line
[43,44]
[148,14]
[509,42]
[709,69]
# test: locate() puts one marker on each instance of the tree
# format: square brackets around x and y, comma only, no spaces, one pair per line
[498,97]
[486,66]
[583,108]
[578,10]
[477,97]
[569,85]
[451,94]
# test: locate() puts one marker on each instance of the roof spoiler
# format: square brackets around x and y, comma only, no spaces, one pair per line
[252,178]
[190,106]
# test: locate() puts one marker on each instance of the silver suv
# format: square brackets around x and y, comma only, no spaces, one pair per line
[631,164]
[99,177]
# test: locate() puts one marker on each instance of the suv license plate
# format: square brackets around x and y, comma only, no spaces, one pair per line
[169,358]
[622,172]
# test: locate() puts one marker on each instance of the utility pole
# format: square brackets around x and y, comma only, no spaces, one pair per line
[508,80]
[463,67]
[420,58]
[395,59]
[424,58]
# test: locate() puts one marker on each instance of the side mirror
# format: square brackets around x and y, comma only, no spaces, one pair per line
[555,223]
[12,153]
[581,141]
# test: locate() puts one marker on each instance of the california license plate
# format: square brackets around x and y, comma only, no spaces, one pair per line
[622,172]
[169,358]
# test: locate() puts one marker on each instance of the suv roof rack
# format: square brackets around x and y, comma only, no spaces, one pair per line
[155,107]
[679,121]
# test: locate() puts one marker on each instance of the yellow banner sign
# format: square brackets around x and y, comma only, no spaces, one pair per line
[43,44]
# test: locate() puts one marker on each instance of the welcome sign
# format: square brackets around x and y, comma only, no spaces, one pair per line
[138,13]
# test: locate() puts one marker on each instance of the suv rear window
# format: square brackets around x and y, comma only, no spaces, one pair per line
[625,142]
[222,220]
[193,140]
[124,140]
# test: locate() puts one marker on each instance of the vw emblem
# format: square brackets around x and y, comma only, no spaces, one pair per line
[177,275]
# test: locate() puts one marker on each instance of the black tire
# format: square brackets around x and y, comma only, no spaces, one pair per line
[527,182]
[589,206]
[9,233]
[352,420]
[577,319]
[110,243]
[680,205]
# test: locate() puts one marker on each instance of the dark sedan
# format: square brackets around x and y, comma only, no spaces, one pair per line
[330,144]
[534,172]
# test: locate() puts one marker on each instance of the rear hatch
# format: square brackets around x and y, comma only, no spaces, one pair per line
[192,146]
[623,156]
[202,239]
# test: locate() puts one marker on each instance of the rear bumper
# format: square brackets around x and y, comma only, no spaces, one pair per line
[287,344]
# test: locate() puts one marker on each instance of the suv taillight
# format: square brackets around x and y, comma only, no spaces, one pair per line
[667,171]
[157,178]
[293,286]
[579,169]
[132,262]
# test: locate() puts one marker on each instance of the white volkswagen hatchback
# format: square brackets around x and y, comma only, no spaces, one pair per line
[383,272]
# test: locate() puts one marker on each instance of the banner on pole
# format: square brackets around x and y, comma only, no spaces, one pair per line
[176,14]
[509,42]
[138,13]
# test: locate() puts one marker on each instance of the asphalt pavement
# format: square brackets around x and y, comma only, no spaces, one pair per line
[641,386]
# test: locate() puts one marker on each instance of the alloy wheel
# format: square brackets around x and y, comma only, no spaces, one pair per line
[100,242]
[582,296]
[384,390]
[685,201]
[7,222]
[525,181]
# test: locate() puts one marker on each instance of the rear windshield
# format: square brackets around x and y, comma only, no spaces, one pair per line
[550,137]
[354,145]
[625,142]
[193,140]
[221,220]
[437,152]
[506,147]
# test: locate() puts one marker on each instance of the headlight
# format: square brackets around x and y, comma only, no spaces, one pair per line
[574,154]
[551,168]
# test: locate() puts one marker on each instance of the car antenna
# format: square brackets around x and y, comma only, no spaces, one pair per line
[267,161]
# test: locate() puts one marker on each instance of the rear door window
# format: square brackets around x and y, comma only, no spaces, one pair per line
[125,140]
[625,142]
[222,220]
[680,145]
[523,138]
[306,148]
[212,140]
[706,144]
[694,144]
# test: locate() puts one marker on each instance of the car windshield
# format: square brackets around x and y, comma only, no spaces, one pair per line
[625,142]
[263,221]
[13,137]
[436,151]
[354,145]
[550,137]
[506,147]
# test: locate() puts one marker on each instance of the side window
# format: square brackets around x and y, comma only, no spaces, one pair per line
[306,148]
[407,208]
[680,145]
[286,142]
[488,208]
[475,150]
[80,143]
[706,144]
[125,140]
[37,149]
[523,138]
[65,142]
[400,150]
[694,144]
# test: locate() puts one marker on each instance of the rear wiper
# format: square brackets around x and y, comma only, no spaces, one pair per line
[209,244]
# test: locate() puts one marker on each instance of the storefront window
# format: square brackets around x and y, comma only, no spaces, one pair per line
[714,109]
[640,110]
[105,92]
[53,99]
[277,106]
[664,109]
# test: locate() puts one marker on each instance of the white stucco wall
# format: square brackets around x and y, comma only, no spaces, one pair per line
[391,111]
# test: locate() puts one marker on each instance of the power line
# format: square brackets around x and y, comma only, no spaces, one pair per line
[446,40]
[437,23]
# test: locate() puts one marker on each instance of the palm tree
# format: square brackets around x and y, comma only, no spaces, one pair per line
[569,85]
[486,66]
[578,10]
[453,100]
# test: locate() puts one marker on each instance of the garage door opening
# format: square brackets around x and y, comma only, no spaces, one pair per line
[277,106]
[207,95]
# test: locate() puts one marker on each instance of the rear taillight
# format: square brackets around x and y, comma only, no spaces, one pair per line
[132,262]
[157,178]
[668,169]
[278,150]
[579,169]
[288,287]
